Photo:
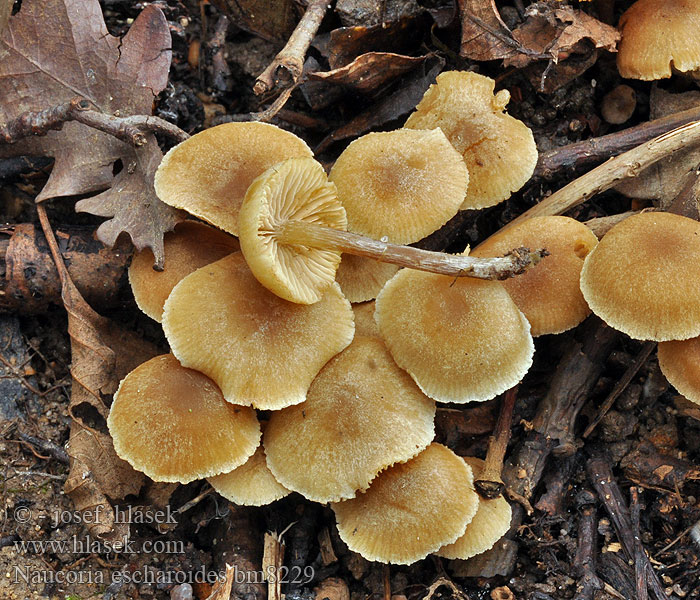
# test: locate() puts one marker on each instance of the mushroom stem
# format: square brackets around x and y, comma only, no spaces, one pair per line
[517,261]
[490,485]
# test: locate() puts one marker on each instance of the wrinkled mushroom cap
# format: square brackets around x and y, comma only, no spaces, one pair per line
[549,295]
[680,363]
[411,509]
[643,277]
[191,246]
[490,523]
[173,423]
[251,484]
[362,414]
[259,348]
[402,184]
[499,150]
[461,339]
[296,189]
[208,174]
[657,37]
[361,278]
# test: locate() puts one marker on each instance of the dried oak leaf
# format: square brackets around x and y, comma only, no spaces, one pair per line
[484,34]
[76,56]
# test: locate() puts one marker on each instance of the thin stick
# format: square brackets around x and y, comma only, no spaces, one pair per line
[517,261]
[602,178]
[490,485]
[640,564]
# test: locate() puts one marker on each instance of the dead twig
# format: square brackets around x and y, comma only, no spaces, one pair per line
[585,560]
[47,446]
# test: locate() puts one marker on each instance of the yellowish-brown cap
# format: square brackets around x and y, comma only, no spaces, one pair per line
[411,509]
[400,185]
[461,339]
[657,37]
[259,348]
[490,523]
[549,295]
[251,484]
[173,423]
[294,190]
[680,363]
[361,278]
[208,174]
[191,246]
[499,150]
[365,325]
[362,414]
[643,277]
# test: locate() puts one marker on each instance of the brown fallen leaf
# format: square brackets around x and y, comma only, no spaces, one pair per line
[75,56]
[484,34]
[273,20]
[5,12]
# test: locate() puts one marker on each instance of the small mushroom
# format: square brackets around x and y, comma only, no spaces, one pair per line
[680,363]
[411,509]
[361,279]
[251,484]
[173,423]
[618,105]
[642,277]
[498,149]
[191,246]
[659,37]
[208,174]
[461,340]
[549,296]
[361,415]
[260,349]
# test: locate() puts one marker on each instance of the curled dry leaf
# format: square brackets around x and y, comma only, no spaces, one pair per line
[484,34]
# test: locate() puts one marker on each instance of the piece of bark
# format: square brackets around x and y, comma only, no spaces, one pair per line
[647,467]
[31,282]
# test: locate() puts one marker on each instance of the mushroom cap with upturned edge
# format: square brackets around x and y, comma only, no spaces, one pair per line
[293,190]
[208,174]
[361,278]
[548,295]
[643,277]
[461,339]
[259,348]
[251,484]
[490,523]
[657,37]
[680,363]
[411,509]
[400,185]
[361,415]
[191,246]
[499,150]
[173,423]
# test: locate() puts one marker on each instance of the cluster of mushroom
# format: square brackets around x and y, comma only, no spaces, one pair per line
[352,398]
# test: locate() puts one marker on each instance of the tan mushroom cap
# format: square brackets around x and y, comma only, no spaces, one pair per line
[251,484]
[499,150]
[411,509]
[490,523]
[361,278]
[461,339]
[402,184]
[259,348]
[549,295]
[296,189]
[361,415]
[657,37]
[173,423]
[680,363]
[208,174]
[365,325]
[191,246]
[643,277]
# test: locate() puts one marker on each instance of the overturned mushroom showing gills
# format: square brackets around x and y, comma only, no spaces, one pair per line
[259,348]
[642,277]
[680,363]
[411,509]
[292,234]
[362,414]
[208,174]
[191,246]
[251,484]
[461,340]
[173,423]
